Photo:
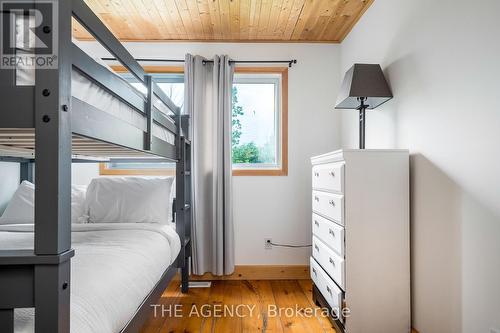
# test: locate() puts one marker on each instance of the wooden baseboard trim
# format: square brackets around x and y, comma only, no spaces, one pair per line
[261,272]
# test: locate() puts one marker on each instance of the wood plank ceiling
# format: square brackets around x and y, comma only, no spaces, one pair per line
[228,20]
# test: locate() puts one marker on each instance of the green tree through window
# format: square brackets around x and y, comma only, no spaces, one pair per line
[237,111]
[245,153]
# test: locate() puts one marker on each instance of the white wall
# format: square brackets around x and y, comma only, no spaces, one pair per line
[441,58]
[9,177]
[276,207]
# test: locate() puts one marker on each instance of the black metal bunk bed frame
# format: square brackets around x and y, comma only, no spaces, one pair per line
[40,278]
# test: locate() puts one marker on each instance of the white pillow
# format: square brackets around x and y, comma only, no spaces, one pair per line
[129,200]
[22,205]
[21,208]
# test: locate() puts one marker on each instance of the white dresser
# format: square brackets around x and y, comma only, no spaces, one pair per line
[361,239]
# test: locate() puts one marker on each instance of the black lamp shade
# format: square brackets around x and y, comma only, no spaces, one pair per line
[363,80]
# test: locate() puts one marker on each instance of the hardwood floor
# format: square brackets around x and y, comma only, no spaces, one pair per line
[216,309]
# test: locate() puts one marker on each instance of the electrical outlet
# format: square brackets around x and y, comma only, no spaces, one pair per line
[267,243]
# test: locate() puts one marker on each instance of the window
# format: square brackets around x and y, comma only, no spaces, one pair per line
[259,109]
[171,80]
[260,120]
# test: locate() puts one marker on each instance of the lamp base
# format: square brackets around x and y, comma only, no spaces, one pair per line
[362,114]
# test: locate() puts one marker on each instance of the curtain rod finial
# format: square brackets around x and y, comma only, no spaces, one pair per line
[292,62]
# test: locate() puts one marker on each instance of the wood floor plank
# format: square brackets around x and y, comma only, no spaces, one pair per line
[189,305]
[260,294]
[289,294]
[306,286]
[231,299]
[195,319]
[216,298]
[253,320]
[264,296]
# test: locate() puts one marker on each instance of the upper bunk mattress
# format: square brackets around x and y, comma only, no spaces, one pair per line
[93,94]
[116,265]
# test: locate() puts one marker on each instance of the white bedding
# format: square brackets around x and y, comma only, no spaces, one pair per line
[115,267]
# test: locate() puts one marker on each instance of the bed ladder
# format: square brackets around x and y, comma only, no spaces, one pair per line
[183,209]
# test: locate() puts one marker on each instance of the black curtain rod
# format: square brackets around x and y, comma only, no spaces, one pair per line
[289,62]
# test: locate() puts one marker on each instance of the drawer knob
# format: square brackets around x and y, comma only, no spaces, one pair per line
[331,232]
[332,173]
[332,203]
[314,271]
[328,289]
[316,223]
[316,247]
[332,262]
[316,198]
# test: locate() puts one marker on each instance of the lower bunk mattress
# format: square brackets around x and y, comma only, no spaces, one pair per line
[116,265]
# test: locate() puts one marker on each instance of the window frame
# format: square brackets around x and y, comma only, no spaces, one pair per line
[282,170]
[104,170]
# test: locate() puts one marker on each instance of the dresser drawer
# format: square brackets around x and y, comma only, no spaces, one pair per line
[329,205]
[330,291]
[331,262]
[329,177]
[329,232]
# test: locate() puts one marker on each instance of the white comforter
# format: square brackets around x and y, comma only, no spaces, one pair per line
[115,266]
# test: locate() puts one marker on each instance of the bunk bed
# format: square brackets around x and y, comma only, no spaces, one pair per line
[49,126]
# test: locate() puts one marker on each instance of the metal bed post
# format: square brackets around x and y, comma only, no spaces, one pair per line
[40,278]
[189,214]
[186,146]
[183,204]
[148,141]
[53,180]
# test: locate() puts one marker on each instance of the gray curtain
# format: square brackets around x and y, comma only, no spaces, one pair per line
[208,87]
